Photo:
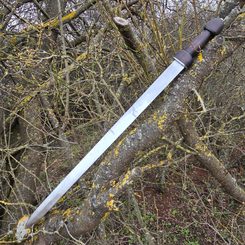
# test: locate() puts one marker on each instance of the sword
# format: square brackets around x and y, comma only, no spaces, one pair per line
[183,59]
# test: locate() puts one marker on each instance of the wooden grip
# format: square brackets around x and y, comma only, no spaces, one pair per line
[211,29]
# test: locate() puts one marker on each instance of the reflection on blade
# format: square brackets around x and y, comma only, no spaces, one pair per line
[106,141]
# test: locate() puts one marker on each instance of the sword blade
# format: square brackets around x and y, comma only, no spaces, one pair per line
[107,140]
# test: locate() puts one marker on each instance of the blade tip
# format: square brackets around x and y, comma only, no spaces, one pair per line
[22,230]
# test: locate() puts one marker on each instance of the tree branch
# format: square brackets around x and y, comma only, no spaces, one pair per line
[135,46]
[208,159]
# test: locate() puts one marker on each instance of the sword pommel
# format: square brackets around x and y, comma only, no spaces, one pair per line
[214,26]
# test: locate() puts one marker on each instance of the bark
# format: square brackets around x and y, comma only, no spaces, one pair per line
[135,46]
[228,6]
[77,221]
[209,160]
[25,177]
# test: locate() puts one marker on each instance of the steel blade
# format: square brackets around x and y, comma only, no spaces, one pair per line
[106,141]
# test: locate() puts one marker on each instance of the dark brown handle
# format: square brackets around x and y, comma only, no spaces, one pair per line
[198,43]
[211,29]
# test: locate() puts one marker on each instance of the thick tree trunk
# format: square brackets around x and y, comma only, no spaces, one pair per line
[25,170]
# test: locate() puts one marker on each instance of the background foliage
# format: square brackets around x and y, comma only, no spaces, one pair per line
[67,75]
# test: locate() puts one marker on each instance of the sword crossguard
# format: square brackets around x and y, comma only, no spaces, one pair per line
[211,29]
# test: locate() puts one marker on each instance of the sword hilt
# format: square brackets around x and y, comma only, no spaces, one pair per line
[211,29]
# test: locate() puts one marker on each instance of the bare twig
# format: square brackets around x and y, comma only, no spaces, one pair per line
[67,75]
